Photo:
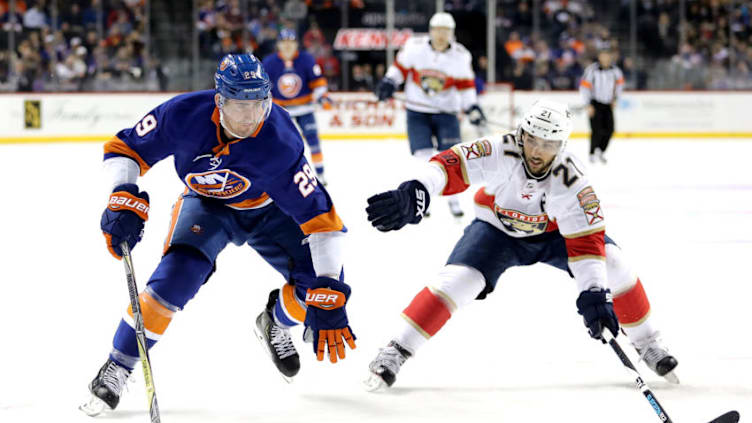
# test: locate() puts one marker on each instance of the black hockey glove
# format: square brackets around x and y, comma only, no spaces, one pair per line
[475,115]
[391,210]
[385,89]
[124,217]
[597,309]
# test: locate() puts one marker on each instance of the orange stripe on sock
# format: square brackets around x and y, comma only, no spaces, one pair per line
[317,157]
[427,312]
[292,306]
[632,306]
[156,316]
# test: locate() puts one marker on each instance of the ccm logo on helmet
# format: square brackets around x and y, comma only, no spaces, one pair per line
[324,298]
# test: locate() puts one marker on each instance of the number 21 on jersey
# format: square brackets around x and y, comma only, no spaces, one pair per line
[306,180]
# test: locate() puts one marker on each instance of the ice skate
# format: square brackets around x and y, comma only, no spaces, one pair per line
[602,157]
[386,365]
[455,209]
[657,357]
[106,389]
[277,341]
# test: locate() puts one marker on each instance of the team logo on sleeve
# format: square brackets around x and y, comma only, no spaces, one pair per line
[591,205]
[477,150]
[220,184]
[432,81]
[289,84]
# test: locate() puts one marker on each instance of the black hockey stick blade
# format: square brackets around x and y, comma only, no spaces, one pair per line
[730,417]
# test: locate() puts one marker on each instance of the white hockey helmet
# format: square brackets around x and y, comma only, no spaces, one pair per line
[548,120]
[441,19]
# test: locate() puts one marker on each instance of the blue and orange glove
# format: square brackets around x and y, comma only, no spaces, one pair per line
[326,102]
[326,318]
[124,217]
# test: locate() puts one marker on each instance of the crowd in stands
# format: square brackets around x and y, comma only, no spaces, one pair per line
[74,45]
[99,44]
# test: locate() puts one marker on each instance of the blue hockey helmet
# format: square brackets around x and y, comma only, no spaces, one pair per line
[241,77]
[287,34]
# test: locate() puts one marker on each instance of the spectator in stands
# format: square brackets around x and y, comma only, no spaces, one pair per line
[34,17]
[361,81]
[562,77]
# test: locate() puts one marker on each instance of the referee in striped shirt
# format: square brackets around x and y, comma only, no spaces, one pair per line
[601,84]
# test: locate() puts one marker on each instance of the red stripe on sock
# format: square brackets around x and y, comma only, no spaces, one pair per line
[633,305]
[428,312]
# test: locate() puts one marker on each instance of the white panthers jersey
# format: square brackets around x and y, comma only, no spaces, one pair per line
[435,82]
[521,206]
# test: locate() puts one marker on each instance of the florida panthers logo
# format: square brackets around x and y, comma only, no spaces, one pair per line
[289,85]
[516,221]
[432,81]
[219,184]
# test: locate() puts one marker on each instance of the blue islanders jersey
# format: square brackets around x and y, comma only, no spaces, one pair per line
[239,173]
[294,81]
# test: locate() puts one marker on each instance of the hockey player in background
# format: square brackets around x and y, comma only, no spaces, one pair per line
[536,206]
[439,83]
[298,85]
[247,182]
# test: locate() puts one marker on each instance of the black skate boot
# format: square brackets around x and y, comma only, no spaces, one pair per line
[277,340]
[106,388]
[385,366]
[657,357]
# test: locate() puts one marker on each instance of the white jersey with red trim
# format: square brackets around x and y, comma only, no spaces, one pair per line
[435,81]
[521,206]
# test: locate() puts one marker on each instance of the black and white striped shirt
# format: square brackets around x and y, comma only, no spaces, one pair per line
[603,85]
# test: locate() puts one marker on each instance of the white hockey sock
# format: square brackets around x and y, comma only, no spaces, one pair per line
[434,305]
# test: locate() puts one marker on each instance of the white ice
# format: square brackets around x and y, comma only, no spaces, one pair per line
[682,211]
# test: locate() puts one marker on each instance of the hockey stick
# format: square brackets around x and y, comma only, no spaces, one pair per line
[730,417]
[138,320]
[451,112]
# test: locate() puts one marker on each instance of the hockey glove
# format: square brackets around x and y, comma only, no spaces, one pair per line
[597,309]
[385,89]
[326,102]
[326,318]
[124,217]
[391,210]
[475,115]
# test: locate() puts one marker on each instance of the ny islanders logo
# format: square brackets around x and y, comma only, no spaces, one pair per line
[289,85]
[220,184]
[432,81]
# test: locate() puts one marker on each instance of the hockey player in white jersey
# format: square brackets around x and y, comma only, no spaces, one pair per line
[439,83]
[536,206]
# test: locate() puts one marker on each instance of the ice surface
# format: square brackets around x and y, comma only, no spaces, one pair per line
[682,211]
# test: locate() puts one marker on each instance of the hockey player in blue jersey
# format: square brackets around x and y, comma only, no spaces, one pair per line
[247,182]
[298,85]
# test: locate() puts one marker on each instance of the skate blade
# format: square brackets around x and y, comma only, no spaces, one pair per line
[671,377]
[261,340]
[374,383]
[94,407]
